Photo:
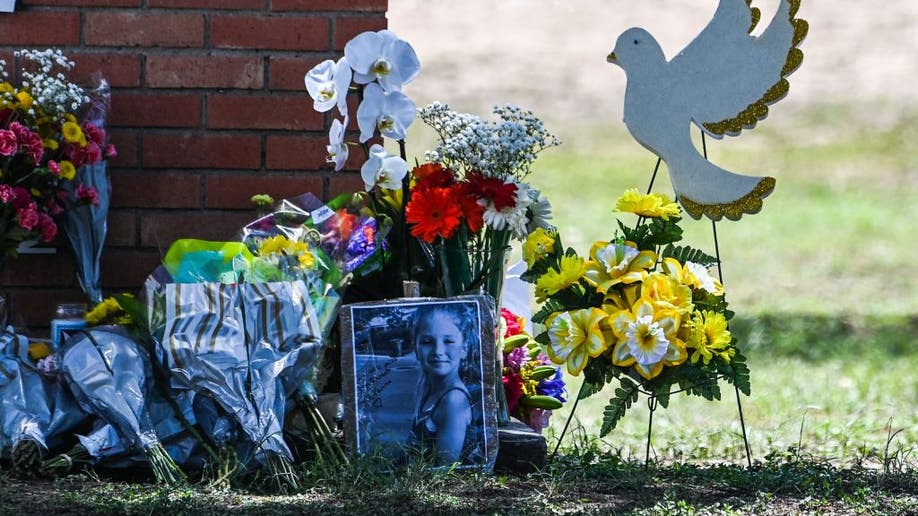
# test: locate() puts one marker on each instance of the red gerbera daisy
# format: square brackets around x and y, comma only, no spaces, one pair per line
[502,194]
[471,210]
[432,175]
[433,212]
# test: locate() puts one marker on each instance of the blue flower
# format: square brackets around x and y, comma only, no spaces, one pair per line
[553,387]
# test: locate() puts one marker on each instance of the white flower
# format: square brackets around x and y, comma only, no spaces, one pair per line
[512,218]
[389,112]
[337,149]
[383,169]
[327,84]
[382,57]
[646,341]
[539,211]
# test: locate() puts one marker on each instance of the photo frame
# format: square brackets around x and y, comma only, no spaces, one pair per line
[414,391]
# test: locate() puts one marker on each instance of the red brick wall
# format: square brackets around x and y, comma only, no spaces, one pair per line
[208,108]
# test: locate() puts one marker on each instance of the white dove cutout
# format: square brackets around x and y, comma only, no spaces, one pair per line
[723,81]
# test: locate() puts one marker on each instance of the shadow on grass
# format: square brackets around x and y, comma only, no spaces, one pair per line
[818,337]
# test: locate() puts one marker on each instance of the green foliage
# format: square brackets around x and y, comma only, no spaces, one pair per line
[618,405]
[688,254]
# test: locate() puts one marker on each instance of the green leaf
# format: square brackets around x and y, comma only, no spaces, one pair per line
[664,232]
[625,396]
[551,306]
[689,254]
[737,373]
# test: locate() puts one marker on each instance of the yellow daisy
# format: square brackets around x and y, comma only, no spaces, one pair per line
[539,244]
[708,335]
[72,132]
[555,280]
[68,171]
[652,205]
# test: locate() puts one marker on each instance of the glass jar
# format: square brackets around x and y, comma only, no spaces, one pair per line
[67,318]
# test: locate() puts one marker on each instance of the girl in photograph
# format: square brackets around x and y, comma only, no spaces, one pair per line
[444,412]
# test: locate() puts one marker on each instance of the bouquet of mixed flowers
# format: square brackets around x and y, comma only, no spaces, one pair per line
[448,221]
[638,308]
[533,386]
[42,144]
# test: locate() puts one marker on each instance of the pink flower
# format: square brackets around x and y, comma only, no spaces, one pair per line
[54,168]
[48,227]
[87,155]
[28,217]
[9,144]
[19,130]
[6,193]
[87,194]
[53,208]
[538,419]
[110,151]
[34,147]
[95,134]
[20,198]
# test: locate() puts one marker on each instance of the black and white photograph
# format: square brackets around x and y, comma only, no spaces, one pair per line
[416,383]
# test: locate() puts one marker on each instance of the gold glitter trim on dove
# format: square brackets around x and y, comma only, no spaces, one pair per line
[747,204]
[758,110]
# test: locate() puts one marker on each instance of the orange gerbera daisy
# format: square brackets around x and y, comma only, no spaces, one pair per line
[433,212]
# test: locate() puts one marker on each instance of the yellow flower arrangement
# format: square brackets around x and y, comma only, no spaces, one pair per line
[639,308]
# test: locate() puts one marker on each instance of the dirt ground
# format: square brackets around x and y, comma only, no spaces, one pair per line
[549,55]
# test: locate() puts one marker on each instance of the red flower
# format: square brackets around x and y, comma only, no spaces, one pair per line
[502,194]
[513,389]
[433,212]
[513,323]
[95,134]
[87,195]
[432,175]
[47,226]
[472,211]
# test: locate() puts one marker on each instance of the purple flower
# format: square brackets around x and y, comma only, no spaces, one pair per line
[516,358]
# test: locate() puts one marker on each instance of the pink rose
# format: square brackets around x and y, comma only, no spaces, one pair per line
[6,193]
[34,147]
[28,217]
[20,198]
[9,144]
[48,227]
[87,194]
[94,134]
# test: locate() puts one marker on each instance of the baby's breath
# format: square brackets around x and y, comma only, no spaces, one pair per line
[52,91]
[505,148]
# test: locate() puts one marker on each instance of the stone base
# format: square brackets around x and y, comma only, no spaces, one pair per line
[522,450]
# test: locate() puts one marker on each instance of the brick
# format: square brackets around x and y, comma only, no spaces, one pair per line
[42,269]
[236,191]
[346,27]
[155,190]
[208,4]
[263,112]
[295,152]
[125,270]
[34,307]
[36,28]
[143,29]
[153,109]
[288,73]
[121,70]
[188,150]
[344,182]
[125,143]
[198,71]
[161,229]
[86,3]
[271,32]
[330,5]
[122,227]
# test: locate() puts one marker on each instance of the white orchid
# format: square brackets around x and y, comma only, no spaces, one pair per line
[389,112]
[337,149]
[382,57]
[383,169]
[327,84]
